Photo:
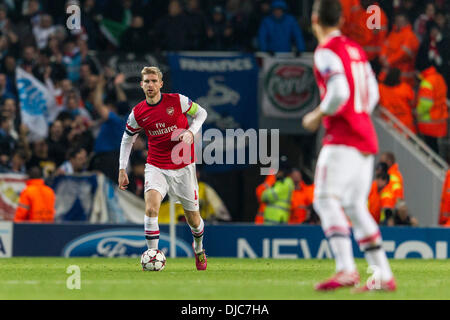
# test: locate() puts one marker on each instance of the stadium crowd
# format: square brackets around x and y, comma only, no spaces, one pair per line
[409,51]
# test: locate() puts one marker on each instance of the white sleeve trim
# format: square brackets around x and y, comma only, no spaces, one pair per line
[132,126]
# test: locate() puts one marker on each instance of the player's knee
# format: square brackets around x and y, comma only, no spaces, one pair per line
[152,211]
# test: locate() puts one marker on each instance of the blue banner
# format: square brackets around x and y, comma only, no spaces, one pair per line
[226,86]
[230,240]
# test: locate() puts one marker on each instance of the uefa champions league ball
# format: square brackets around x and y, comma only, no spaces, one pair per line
[153,260]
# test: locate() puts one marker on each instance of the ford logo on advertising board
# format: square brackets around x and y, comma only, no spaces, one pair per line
[120,243]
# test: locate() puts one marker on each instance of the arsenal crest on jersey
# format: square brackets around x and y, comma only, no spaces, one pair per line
[170,111]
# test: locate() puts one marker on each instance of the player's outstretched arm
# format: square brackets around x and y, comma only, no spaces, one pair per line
[125,150]
[198,115]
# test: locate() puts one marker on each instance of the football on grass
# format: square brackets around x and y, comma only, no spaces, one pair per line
[153,260]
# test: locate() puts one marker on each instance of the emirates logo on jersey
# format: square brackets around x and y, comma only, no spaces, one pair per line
[290,86]
[170,111]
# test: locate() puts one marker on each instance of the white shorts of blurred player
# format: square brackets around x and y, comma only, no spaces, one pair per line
[342,183]
[180,184]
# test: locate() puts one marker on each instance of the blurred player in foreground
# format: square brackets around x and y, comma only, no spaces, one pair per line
[349,93]
[170,166]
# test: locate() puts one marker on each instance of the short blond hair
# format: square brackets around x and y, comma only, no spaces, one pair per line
[152,70]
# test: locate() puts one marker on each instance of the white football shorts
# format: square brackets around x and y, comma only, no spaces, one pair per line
[180,184]
[343,172]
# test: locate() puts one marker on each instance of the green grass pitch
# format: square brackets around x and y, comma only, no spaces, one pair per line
[225,279]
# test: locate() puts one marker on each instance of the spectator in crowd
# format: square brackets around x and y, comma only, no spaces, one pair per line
[431,108]
[136,38]
[9,68]
[42,69]
[10,138]
[9,40]
[410,8]
[398,98]
[7,142]
[8,110]
[355,23]
[18,162]
[379,196]
[302,199]
[402,217]
[40,158]
[107,144]
[400,50]
[74,105]
[76,163]
[420,25]
[197,25]
[219,31]
[87,82]
[435,50]
[43,29]
[212,207]
[395,176]
[349,8]
[5,92]
[55,48]
[444,211]
[376,35]
[80,135]
[23,25]
[240,22]
[29,58]
[442,22]
[37,201]
[278,197]
[113,88]
[261,11]
[90,16]
[172,31]
[66,119]
[279,31]
[269,181]
[57,142]
[388,197]
[72,60]
[116,19]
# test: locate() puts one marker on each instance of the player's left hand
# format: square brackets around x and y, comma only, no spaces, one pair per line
[186,137]
[312,120]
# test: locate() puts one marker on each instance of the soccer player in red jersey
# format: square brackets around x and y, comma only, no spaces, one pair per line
[170,166]
[349,93]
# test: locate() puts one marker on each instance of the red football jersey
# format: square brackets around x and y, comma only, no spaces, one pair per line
[163,122]
[351,124]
